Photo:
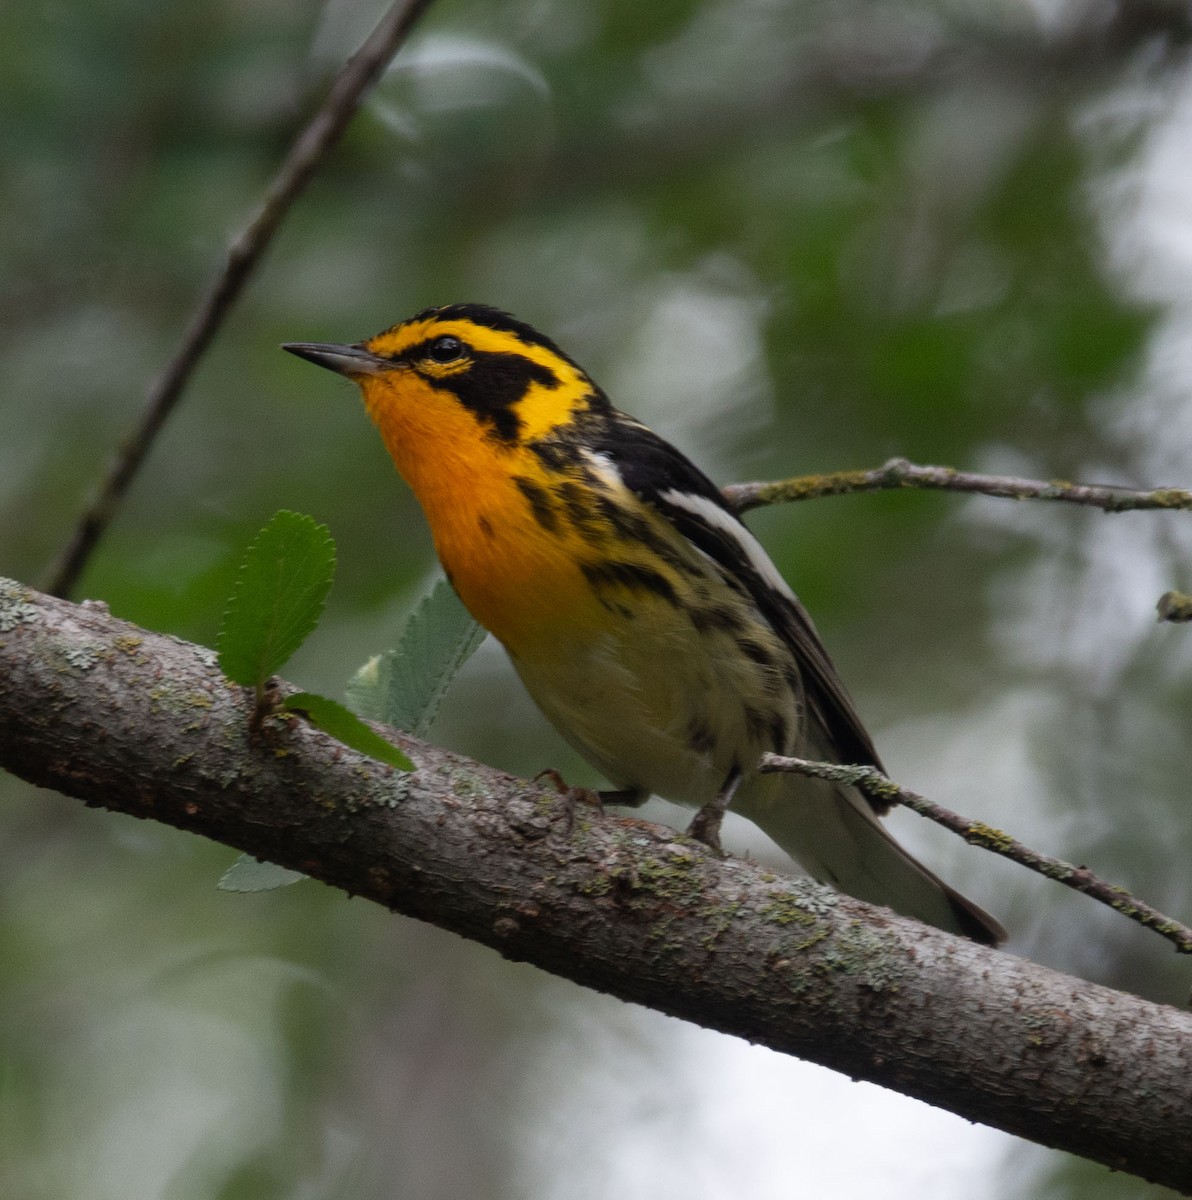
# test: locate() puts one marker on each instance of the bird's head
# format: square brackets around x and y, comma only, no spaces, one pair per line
[461,371]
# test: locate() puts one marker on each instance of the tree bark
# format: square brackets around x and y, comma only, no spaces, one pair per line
[142,723]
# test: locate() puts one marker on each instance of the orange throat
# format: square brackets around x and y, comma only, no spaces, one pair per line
[517,577]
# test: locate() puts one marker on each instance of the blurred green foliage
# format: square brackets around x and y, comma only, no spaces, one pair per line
[792,237]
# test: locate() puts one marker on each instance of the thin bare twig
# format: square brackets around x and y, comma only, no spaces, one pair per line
[900,473]
[875,784]
[309,149]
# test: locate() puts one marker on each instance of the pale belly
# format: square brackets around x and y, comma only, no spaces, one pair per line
[661,709]
[660,701]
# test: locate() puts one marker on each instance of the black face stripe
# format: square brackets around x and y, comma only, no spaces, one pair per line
[492,385]
[632,577]
[491,318]
[486,527]
[539,501]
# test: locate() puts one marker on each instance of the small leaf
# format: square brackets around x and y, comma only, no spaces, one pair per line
[278,597]
[367,688]
[344,725]
[405,686]
[248,874]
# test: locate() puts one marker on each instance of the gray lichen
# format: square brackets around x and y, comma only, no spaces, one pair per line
[15,608]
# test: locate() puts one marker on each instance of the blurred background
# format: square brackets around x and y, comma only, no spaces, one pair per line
[794,237]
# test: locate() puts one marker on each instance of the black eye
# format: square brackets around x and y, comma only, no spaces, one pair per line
[445,349]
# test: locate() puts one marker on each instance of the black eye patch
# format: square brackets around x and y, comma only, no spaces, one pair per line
[493,385]
[445,349]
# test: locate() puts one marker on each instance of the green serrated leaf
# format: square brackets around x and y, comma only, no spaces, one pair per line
[248,874]
[278,597]
[405,686]
[331,717]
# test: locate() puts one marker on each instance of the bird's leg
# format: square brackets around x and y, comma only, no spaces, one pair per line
[705,825]
[574,796]
[619,798]
[585,795]
[624,797]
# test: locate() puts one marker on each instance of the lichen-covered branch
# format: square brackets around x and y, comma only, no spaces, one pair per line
[978,833]
[145,724]
[309,149]
[899,473]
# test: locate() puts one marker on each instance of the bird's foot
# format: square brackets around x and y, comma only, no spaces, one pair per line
[573,796]
[624,798]
[705,825]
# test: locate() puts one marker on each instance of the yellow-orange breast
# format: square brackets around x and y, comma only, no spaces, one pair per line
[519,575]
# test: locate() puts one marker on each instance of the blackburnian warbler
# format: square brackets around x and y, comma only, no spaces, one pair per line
[645,620]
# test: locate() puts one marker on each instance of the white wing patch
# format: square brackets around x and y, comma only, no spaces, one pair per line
[603,465]
[712,514]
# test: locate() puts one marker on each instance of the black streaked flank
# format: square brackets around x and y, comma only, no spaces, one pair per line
[650,466]
[567,447]
[699,737]
[575,500]
[756,651]
[630,577]
[757,722]
[539,501]
[634,528]
[554,454]
[708,618]
[794,681]
[779,733]
[593,512]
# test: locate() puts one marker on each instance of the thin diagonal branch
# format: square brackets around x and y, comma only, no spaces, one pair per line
[977,833]
[312,145]
[900,473]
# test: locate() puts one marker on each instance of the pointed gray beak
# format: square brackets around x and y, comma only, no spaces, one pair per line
[345,360]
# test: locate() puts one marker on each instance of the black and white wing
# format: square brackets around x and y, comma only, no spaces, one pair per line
[663,477]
